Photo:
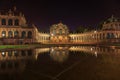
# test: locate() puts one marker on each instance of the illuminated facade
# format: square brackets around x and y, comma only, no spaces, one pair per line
[110,33]
[15,30]
[59,33]
[14,61]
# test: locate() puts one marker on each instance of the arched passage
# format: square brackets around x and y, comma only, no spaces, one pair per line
[3,33]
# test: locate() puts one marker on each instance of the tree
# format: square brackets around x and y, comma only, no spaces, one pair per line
[82,29]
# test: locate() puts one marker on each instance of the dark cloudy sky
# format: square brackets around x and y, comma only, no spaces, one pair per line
[73,13]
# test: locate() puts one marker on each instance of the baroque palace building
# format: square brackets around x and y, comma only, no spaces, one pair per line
[15,30]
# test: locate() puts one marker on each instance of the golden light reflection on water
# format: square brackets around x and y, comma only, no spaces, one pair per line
[12,61]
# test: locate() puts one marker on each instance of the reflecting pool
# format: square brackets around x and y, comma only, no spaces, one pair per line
[61,63]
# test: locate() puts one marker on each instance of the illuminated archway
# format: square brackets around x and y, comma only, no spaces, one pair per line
[3,33]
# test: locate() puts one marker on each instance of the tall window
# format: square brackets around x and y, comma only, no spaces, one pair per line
[3,22]
[112,35]
[10,22]
[54,31]
[29,34]
[108,35]
[10,34]
[103,36]
[16,22]
[16,34]
[3,34]
[23,34]
[60,31]
[9,53]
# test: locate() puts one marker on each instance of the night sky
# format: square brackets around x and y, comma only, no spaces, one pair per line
[44,13]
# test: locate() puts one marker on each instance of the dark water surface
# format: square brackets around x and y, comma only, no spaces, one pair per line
[61,63]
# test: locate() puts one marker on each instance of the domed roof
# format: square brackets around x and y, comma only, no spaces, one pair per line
[55,26]
[112,19]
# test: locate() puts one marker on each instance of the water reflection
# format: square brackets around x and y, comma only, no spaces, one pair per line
[55,60]
[14,61]
[59,54]
[96,50]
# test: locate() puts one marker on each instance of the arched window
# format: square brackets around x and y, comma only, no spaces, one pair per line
[23,34]
[100,36]
[15,53]
[29,34]
[112,35]
[116,36]
[108,35]
[16,22]
[3,22]
[60,31]
[103,35]
[10,22]
[10,34]
[54,31]
[3,34]
[16,34]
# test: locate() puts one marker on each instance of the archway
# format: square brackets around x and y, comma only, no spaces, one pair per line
[3,33]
